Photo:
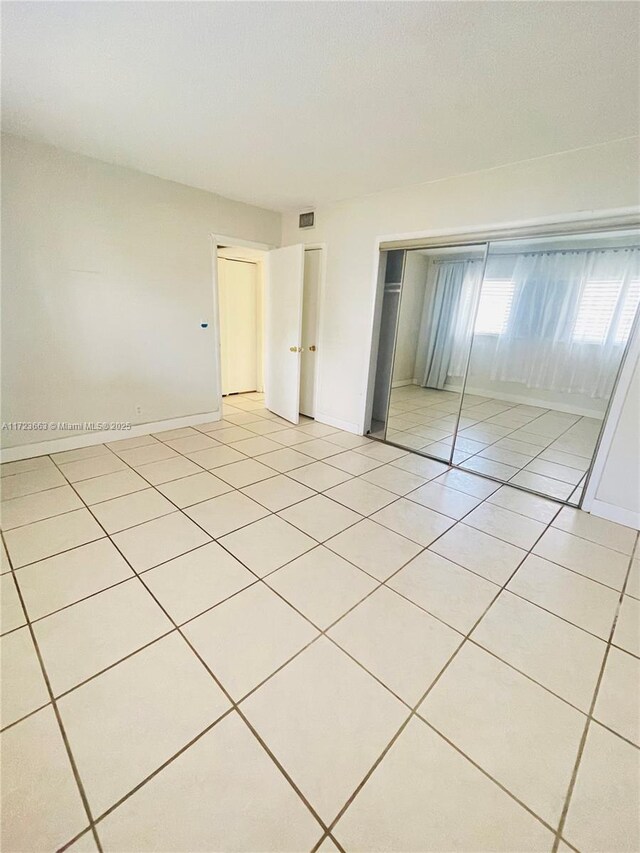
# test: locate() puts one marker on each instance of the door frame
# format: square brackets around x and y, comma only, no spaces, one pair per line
[240,242]
[322,247]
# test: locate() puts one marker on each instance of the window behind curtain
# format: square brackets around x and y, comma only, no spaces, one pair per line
[595,311]
[495,306]
[605,310]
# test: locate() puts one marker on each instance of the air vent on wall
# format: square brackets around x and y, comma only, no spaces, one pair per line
[306,220]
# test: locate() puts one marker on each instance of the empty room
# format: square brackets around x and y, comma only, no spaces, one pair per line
[320,406]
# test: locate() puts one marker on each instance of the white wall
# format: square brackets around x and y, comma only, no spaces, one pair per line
[479,381]
[620,482]
[614,489]
[107,273]
[578,183]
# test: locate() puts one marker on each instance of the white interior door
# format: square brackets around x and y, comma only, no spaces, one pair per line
[283,331]
[309,355]
[238,301]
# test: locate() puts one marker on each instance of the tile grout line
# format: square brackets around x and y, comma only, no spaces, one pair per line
[356,566]
[269,512]
[396,498]
[262,579]
[64,693]
[547,524]
[230,710]
[24,716]
[485,773]
[56,711]
[459,407]
[455,521]
[564,432]
[323,632]
[459,465]
[590,717]
[536,456]
[529,552]
[183,510]
[406,496]
[495,654]
[257,580]
[93,676]
[109,536]
[557,615]
[111,586]
[417,705]
[226,693]
[526,470]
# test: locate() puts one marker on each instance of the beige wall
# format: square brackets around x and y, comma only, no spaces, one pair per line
[107,273]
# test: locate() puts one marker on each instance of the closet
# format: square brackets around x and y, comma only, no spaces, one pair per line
[500,356]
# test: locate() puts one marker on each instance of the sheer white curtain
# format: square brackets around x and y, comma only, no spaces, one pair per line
[447,322]
[463,326]
[569,319]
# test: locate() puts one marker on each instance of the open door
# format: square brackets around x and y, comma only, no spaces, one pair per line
[310,308]
[283,330]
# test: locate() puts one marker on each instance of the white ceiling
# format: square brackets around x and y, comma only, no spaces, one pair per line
[290,105]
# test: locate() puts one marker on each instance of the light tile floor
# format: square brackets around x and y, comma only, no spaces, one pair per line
[546,450]
[253,637]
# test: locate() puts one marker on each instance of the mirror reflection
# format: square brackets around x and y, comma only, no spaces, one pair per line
[502,358]
[440,290]
[553,321]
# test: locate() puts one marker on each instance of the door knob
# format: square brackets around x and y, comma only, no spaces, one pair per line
[312,349]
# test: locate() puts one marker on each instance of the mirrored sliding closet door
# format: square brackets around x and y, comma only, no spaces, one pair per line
[505,354]
[439,295]
[552,326]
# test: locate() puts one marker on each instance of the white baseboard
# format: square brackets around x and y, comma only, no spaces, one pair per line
[538,402]
[615,513]
[87,439]
[338,424]
[401,383]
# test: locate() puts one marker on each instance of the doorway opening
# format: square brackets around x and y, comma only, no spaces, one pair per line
[269,309]
[240,306]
